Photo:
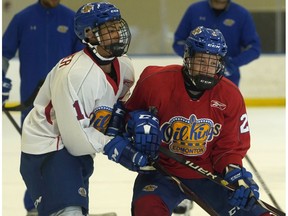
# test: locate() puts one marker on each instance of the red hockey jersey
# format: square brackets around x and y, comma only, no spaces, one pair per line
[212,131]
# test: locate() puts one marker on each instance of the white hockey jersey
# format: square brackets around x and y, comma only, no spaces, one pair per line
[75,88]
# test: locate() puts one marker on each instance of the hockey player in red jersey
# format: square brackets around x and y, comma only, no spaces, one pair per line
[203,118]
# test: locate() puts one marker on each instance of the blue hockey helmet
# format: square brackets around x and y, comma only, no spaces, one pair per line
[95,18]
[93,15]
[206,40]
[211,43]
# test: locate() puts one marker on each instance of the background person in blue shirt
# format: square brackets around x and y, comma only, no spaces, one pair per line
[236,24]
[42,33]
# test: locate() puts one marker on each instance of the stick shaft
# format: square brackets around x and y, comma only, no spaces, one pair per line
[215,178]
[264,186]
[12,120]
[187,191]
[28,103]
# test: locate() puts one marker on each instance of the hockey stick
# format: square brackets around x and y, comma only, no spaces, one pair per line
[215,178]
[264,186]
[29,102]
[21,107]
[25,106]
[187,190]
[12,120]
[18,128]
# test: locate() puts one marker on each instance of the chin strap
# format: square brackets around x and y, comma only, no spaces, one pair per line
[101,60]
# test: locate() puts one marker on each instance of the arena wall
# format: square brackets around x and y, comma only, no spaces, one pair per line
[262,81]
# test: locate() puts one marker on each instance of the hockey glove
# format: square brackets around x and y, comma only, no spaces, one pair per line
[120,150]
[116,123]
[6,88]
[143,127]
[230,67]
[247,192]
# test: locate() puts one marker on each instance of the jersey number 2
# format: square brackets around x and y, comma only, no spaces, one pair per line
[244,126]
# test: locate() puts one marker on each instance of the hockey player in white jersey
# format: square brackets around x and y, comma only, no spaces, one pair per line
[59,136]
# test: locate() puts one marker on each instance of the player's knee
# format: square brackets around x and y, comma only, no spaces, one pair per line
[150,205]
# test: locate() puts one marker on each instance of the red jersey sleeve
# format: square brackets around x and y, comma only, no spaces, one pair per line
[234,140]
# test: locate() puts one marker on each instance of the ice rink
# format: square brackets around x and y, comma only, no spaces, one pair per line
[111,185]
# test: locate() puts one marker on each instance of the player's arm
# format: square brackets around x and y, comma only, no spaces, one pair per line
[233,142]
[143,125]
[121,148]
[6,82]
[78,135]
[142,129]
[9,48]
[181,33]
[235,136]
[11,38]
[250,42]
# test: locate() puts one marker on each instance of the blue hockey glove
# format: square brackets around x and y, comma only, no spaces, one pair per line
[144,128]
[230,68]
[6,88]
[120,150]
[247,192]
[117,121]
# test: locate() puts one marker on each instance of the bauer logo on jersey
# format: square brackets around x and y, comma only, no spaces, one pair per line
[189,136]
[100,118]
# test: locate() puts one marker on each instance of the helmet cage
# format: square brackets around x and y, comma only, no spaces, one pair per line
[204,70]
[96,18]
[204,57]
[114,37]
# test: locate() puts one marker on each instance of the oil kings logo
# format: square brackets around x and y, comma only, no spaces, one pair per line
[189,136]
[100,118]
